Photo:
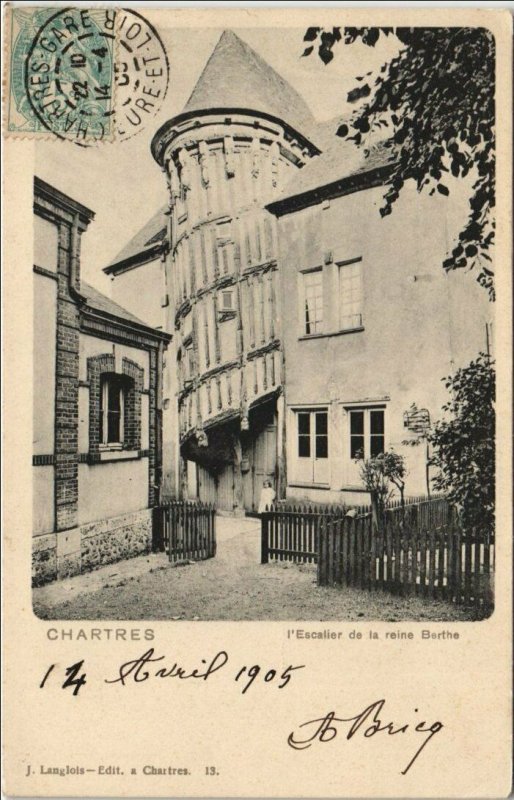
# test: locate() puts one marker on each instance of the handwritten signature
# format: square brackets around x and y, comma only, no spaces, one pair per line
[368,723]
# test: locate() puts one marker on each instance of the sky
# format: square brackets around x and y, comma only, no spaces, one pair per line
[123,185]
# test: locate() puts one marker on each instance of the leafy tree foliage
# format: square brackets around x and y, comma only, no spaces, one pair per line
[382,475]
[463,444]
[437,96]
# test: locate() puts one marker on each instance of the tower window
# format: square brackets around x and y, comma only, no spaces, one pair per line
[227,300]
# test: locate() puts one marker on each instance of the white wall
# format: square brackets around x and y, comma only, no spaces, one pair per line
[420,324]
[46,241]
[141,291]
[111,488]
[43,500]
[45,312]
[92,346]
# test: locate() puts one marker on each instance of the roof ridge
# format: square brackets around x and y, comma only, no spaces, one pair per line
[146,235]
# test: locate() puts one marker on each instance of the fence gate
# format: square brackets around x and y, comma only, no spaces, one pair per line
[185,530]
[291,533]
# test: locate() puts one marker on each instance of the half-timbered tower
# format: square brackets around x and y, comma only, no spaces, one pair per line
[231,151]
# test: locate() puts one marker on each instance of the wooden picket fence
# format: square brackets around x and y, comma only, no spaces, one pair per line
[421,512]
[422,551]
[185,530]
[418,548]
[291,532]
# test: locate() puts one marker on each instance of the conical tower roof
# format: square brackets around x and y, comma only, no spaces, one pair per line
[235,76]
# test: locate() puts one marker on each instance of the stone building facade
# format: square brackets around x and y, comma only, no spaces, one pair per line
[371,323]
[305,325]
[97,377]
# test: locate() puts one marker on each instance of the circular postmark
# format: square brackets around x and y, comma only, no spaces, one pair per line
[141,73]
[96,74]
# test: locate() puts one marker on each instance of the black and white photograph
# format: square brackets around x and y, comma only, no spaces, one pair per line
[257,410]
[264,343]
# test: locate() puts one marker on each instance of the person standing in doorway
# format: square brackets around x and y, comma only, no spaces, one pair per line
[267,497]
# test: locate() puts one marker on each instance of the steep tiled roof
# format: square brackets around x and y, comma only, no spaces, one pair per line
[101,302]
[146,239]
[235,76]
[323,134]
[340,160]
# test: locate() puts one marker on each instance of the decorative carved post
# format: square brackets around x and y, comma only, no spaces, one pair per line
[183,478]
[238,475]
[230,169]
[217,345]
[251,310]
[261,284]
[281,448]
[192,263]
[275,155]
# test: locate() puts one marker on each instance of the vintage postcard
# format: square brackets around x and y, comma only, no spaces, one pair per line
[257,401]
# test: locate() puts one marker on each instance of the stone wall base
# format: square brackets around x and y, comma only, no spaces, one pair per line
[67,553]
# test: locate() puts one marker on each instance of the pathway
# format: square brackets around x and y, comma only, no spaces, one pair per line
[231,586]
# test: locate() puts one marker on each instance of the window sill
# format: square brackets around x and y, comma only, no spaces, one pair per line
[226,314]
[297,485]
[118,455]
[327,335]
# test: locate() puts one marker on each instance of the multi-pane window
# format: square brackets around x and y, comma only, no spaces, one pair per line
[350,296]
[313,302]
[321,434]
[356,434]
[311,464]
[112,407]
[366,439]
[376,433]
[367,433]
[304,434]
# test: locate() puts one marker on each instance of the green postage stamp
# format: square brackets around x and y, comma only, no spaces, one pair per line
[69,70]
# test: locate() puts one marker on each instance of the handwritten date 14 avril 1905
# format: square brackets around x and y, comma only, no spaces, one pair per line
[144,668]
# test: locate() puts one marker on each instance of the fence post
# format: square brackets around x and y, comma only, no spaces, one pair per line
[213,531]
[157,529]
[264,538]
[376,514]
[322,553]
